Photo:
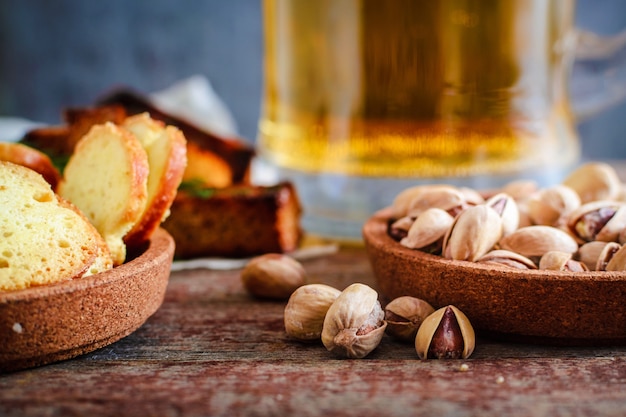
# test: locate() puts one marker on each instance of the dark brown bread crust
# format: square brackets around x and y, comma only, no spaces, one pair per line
[237,221]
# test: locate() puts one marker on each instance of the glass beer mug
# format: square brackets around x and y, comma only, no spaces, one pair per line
[364,98]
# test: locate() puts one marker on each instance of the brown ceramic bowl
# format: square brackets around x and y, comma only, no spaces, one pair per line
[583,308]
[60,321]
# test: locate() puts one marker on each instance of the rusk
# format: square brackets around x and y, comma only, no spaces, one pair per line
[106,178]
[44,238]
[166,150]
[31,158]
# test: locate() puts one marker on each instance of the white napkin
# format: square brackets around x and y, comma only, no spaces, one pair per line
[13,128]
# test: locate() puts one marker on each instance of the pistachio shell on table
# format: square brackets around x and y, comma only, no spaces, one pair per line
[445,334]
[306,309]
[354,324]
[474,232]
[549,206]
[534,241]
[594,181]
[428,229]
[404,316]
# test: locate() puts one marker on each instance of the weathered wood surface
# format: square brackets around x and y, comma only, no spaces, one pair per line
[213,350]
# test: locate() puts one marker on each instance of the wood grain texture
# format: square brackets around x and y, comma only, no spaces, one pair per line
[213,350]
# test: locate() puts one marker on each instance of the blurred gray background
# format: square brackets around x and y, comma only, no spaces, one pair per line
[62,53]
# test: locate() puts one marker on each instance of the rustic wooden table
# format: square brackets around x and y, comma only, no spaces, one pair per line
[213,350]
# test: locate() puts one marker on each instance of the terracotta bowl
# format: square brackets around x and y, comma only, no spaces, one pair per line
[60,321]
[583,308]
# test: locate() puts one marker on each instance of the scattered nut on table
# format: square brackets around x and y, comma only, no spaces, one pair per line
[404,315]
[354,324]
[445,334]
[274,276]
[306,309]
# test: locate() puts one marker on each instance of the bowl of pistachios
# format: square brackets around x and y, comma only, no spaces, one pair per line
[526,264]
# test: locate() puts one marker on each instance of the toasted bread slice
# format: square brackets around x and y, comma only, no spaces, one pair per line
[106,178]
[237,221]
[216,160]
[166,150]
[31,158]
[44,239]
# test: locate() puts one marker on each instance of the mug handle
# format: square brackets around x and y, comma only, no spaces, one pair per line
[598,79]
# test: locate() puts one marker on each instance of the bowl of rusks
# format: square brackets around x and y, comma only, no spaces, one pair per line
[83,259]
[524,263]
[95,210]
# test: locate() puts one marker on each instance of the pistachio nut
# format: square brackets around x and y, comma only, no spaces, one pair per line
[534,241]
[621,237]
[402,201]
[446,198]
[471,196]
[474,232]
[428,230]
[507,208]
[598,220]
[354,324]
[606,256]
[589,253]
[399,229]
[551,205]
[594,181]
[524,215]
[305,311]
[507,258]
[404,315]
[617,261]
[520,190]
[273,275]
[445,334]
[561,261]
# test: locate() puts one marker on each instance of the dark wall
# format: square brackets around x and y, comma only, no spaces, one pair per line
[67,52]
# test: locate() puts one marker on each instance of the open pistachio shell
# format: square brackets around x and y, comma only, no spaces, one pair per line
[306,309]
[617,261]
[404,316]
[507,208]
[402,201]
[448,199]
[507,258]
[534,241]
[354,324]
[594,181]
[590,253]
[445,334]
[550,205]
[429,227]
[560,261]
[598,220]
[474,232]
